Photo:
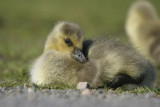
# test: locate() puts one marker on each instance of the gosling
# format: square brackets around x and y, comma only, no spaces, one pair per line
[57,63]
[143,29]
[108,62]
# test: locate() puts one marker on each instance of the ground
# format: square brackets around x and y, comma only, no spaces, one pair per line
[24,26]
[28,97]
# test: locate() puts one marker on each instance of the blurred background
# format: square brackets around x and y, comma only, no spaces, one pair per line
[25,24]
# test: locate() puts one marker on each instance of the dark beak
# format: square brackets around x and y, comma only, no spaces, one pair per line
[78,55]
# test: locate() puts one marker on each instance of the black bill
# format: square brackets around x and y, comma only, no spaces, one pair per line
[79,56]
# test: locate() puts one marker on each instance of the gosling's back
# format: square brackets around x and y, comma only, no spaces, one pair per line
[114,58]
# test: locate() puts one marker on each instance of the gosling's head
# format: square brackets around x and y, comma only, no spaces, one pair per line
[143,10]
[141,13]
[66,38]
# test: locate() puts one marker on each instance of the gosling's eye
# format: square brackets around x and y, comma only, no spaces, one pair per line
[68,42]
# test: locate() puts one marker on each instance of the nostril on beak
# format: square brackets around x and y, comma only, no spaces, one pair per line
[78,55]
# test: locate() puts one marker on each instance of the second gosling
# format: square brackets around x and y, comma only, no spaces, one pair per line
[143,29]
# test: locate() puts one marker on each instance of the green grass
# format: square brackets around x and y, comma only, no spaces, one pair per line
[24,26]
[140,90]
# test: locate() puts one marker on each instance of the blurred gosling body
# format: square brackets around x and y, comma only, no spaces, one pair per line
[143,29]
[109,62]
